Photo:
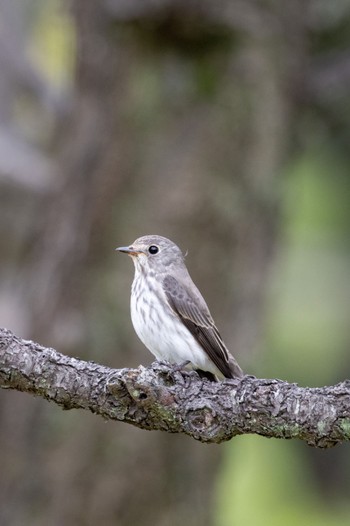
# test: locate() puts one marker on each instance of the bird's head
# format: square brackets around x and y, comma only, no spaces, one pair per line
[153,253]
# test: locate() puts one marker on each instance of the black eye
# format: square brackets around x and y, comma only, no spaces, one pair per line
[153,249]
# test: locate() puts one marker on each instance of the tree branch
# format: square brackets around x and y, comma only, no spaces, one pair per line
[160,397]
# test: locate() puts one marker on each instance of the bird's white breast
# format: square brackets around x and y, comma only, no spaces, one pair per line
[160,329]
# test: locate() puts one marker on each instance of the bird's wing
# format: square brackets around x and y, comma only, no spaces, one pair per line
[195,315]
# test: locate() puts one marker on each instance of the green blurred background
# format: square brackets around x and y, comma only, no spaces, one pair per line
[224,126]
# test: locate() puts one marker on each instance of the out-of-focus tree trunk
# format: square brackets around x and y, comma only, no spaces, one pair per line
[179,127]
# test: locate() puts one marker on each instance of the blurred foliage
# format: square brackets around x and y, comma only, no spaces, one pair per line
[53,46]
[271,482]
[308,323]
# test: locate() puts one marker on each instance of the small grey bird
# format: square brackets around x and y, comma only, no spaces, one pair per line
[169,313]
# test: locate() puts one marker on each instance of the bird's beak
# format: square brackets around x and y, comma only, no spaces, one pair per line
[129,250]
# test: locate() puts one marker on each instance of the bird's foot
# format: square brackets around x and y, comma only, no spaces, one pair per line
[180,366]
[163,364]
[176,372]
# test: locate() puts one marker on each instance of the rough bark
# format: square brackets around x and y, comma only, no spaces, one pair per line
[162,398]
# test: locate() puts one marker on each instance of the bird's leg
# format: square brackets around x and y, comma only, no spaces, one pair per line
[180,366]
[176,367]
[179,373]
[176,371]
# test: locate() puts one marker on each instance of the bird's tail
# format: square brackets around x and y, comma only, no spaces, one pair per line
[236,371]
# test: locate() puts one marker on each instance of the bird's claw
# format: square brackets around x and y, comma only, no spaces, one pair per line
[176,372]
[180,367]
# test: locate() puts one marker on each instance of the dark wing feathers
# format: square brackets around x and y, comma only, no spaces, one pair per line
[195,315]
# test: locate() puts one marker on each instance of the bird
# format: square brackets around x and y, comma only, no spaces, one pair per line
[169,314]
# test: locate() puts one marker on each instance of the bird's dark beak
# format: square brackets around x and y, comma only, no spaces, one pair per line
[128,250]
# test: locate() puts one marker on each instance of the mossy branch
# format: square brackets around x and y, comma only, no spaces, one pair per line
[162,398]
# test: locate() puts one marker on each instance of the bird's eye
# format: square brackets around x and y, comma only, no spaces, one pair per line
[153,249]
